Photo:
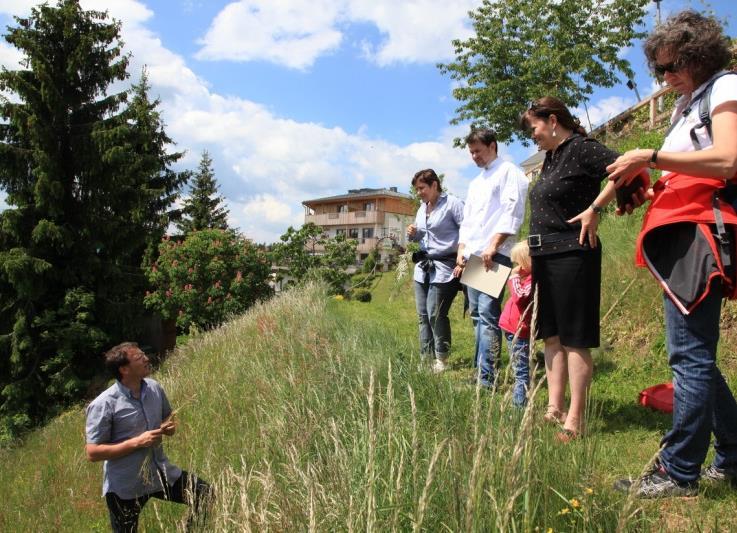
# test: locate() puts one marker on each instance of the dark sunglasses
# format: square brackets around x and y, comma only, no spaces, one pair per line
[668,67]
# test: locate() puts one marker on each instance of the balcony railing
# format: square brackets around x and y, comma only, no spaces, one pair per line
[343,219]
[365,245]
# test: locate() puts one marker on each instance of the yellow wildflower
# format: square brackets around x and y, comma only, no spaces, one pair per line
[550,530]
[564,511]
[339,297]
[589,490]
[575,503]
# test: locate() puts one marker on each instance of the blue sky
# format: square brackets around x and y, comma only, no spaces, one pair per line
[298,99]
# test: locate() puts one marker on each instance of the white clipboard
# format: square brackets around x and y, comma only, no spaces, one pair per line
[490,281]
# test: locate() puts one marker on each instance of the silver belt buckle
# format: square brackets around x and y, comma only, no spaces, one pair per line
[533,241]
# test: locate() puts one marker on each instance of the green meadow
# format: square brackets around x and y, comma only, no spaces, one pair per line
[312,414]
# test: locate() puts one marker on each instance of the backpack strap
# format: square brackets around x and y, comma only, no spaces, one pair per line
[704,99]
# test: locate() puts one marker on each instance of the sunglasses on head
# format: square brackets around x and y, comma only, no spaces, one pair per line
[668,67]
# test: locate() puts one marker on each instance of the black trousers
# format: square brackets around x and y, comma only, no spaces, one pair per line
[188,489]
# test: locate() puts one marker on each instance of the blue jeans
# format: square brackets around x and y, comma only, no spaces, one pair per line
[433,301]
[702,401]
[519,359]
[485,312]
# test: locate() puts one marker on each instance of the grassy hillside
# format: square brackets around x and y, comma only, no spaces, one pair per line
[310,413]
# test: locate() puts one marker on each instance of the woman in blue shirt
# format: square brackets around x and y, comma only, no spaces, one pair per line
[436,229]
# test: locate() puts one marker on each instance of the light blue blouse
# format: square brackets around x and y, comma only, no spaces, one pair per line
[438,236]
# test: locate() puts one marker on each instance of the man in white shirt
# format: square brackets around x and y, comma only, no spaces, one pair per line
[494,209]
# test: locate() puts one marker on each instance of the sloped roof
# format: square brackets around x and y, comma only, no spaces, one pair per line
[355,194]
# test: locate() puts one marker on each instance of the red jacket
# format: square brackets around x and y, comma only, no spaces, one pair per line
[677,243]
[520,292]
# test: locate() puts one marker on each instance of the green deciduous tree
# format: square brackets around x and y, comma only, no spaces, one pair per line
[209,276]
[525,49]
[204,207]
[309,254]
[87,185]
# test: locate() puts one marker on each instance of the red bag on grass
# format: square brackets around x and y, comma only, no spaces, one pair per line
[658,397]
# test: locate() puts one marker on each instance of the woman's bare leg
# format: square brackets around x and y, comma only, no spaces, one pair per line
[556,370]
[580,370]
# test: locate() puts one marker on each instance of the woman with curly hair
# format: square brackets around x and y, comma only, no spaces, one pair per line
[687,242]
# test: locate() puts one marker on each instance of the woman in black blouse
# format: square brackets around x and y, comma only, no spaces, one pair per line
[565,204]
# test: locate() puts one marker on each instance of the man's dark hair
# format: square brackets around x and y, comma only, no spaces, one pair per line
[484,135]
[696,42]
[117,356]
[427,176]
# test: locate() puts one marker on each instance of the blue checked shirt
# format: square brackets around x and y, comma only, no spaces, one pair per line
[115,416]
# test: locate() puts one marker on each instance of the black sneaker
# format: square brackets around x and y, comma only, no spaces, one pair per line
[719,475]
[657,484]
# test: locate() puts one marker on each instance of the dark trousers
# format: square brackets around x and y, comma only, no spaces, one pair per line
[188,489]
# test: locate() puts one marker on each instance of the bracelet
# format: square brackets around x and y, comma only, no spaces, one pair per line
[596,209]
[654,159]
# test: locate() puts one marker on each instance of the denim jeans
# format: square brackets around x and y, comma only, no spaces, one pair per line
[485,312]
[702,401]
[433,301]
[519,360]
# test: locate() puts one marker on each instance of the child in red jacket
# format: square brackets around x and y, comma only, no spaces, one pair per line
[515,321]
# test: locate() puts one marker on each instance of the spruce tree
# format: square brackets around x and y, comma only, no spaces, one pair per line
[203,209]
[86,182]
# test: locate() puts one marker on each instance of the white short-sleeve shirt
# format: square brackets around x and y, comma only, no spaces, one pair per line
[679,138]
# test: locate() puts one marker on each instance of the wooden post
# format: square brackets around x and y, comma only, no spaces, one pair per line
[653,112]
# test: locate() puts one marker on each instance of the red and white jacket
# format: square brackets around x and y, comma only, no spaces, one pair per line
[678,241]
[513,315]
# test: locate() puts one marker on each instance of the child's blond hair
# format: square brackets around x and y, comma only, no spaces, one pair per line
[521,255]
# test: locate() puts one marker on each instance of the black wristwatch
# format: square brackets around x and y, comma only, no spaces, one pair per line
[653,160]
[598,210]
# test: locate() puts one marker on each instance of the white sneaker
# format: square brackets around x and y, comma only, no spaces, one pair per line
[439,366]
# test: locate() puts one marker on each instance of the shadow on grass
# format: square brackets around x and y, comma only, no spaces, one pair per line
[618,417]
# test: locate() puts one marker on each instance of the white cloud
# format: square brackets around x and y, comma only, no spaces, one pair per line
[264,217]
[603,110]
[10,56]
[290,33]
[414,31]
[17,7]
[294,33]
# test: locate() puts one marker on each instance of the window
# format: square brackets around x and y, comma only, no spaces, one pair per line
[369,206]
[342,209]
[340,231]
[353,233]
[368,233]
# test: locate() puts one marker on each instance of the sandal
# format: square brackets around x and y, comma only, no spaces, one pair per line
[567,435]
[553,415]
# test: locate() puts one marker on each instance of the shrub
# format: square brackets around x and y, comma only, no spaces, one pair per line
[205,278]
[361,280]
[362,295]
[370,262]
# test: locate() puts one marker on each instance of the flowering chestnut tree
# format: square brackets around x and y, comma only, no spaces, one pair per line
[207,277]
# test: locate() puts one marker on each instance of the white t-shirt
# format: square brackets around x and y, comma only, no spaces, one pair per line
[679,139]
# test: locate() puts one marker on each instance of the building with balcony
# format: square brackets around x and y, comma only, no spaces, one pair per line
[376,218]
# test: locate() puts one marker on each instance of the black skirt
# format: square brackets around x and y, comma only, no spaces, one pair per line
[569,294]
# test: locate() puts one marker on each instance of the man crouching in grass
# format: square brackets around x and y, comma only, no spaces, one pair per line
[125,428]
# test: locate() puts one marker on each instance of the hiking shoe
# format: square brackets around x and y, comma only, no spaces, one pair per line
[719,475]
[657,484]
[439,366]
